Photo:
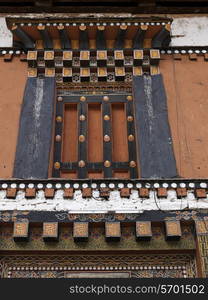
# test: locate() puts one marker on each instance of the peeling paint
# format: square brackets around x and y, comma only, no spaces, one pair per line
[189,32]
[95,204]
[148,94]
[5,34]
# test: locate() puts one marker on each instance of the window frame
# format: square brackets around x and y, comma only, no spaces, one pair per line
[107,166]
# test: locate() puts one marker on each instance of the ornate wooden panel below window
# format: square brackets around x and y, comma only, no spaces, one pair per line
[102,266]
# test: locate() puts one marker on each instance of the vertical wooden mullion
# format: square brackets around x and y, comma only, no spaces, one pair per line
[107,146]
[58,131]
[131,144]
[82,146]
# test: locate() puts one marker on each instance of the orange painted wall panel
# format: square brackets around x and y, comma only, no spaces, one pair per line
[186,84]
[13,77]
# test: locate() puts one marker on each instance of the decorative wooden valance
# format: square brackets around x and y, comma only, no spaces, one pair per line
[85,34]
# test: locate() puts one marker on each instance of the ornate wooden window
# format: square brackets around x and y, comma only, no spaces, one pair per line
[95,136]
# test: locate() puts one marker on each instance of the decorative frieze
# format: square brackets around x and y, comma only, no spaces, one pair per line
[86,192]
[138,56]
[143,192]
[80,231]
[49,193]
[173,230]
[162,193]
[154,56]
[11,193]
[125,192]
[165,265]
[183,186]
[134,195]
[68,193]
[50,232]
[202,244]
[102,57]
[67,58]
[112,231]
[200,193]
[143,230]
[181,192]
[92,66]
[30,193]
[202,227]
[21,231]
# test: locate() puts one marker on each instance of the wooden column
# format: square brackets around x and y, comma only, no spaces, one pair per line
[107,137]
[131,136]
[58,136]
[82,142]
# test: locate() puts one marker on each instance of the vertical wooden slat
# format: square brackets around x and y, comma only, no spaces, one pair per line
[95,144]
[82,145]
[131,132]
[70,133]
[58,132]
[107,146]
[119,131]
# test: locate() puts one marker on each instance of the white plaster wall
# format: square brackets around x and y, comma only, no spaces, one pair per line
[95,204]
[5,34]
[189,31]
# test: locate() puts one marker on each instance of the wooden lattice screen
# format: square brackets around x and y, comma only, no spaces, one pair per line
[74,129]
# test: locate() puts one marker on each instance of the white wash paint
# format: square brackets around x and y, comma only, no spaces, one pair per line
[36,117]
[5,34]
[95,204]
[189,32]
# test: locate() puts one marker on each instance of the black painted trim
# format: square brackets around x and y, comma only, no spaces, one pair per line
[161,39]
[139,39]
[107,146]
[131,144]
[67,217]
[100,40]
[47,40]
[65,40]
[35,129]
[119,43]
[82,146]
[154,137]
[58,131]
[83,40]
[27,41]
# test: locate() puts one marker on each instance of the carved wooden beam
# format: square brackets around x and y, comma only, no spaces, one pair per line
[80,231]
[83,38]
[47,40]
[173,230]
[65,40]
[24,37]
[100,38]
[50,232]
[139,37]
[112,231]
[119,43]
[162,38]
[20,231]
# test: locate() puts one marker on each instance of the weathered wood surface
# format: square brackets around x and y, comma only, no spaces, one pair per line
[154,138]
[35,129]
